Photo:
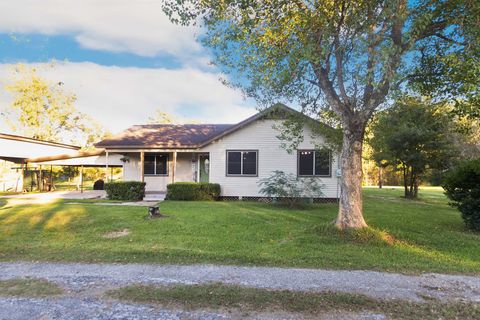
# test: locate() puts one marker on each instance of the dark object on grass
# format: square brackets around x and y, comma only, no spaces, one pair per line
[462,186]
[99,185]
[153,211]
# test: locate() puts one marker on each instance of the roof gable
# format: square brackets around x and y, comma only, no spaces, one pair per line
[188,136]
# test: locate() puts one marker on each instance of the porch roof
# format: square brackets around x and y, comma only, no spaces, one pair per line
[165,136]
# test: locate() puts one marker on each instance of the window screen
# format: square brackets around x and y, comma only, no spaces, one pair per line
[250,162]
[305,163]
[156,164]
[234,162]
[242,163]
[314,163]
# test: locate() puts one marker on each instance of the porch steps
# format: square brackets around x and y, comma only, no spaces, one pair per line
[154,196]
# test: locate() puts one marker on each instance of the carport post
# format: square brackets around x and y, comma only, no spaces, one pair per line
[40,179]
[81,179]
[50,188]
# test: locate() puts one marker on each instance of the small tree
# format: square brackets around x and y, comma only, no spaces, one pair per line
[290,189]
[413,136]
[462,186]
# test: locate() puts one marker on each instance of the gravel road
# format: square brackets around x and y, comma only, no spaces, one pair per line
[86,283]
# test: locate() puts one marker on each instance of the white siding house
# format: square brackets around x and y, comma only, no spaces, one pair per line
[261,137]
[163,154]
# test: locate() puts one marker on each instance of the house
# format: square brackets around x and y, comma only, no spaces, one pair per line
[236,156]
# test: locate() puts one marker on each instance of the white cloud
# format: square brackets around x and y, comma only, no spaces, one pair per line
[120,97]
[138,27]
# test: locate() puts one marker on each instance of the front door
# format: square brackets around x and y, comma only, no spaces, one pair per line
[204,170]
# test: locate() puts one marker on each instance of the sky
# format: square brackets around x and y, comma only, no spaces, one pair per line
[123,59]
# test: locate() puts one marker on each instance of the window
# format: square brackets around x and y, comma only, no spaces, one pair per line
[314,163]
[242,163]
[156,164]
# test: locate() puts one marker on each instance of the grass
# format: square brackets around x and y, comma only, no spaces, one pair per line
[405,236]
[231,297]
[28,287]
[8,193]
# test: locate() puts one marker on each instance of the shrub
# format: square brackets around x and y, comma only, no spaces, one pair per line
[125,190]
[289,189]
[193,191]
[462,186]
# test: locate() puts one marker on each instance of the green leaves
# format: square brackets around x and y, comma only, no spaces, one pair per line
[41,109]
[414,133]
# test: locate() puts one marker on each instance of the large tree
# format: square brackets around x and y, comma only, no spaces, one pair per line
[341,55]
[42,109]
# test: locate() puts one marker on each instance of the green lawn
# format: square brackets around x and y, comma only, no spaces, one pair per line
[407,236]
[299,304]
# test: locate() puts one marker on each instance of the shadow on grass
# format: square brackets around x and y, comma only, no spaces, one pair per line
[372,237]
[38,217]
[364,236]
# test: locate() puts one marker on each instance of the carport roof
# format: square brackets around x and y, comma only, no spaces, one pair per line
[18,148]
[37,141]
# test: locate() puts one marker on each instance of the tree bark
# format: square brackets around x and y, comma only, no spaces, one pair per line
[415,190]
[350,214]
[380,177]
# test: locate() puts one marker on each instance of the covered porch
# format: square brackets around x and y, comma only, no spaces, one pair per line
[160,167]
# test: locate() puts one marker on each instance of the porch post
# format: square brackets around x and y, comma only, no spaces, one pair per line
[106,166]
[174,166]
[142,165]
[197,172]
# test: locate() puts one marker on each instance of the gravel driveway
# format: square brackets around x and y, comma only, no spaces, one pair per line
[86,282]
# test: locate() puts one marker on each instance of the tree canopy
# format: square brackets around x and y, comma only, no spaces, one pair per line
[413,136]
[160,117]
[42,109]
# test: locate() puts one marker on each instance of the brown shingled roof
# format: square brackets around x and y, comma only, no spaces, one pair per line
[170,136]
[165,136]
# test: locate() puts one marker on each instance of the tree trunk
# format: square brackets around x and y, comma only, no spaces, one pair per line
[405,181]
[415,187]
[380,177]
[350,214]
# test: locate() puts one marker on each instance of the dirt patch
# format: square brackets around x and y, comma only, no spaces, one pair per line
[116,234]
